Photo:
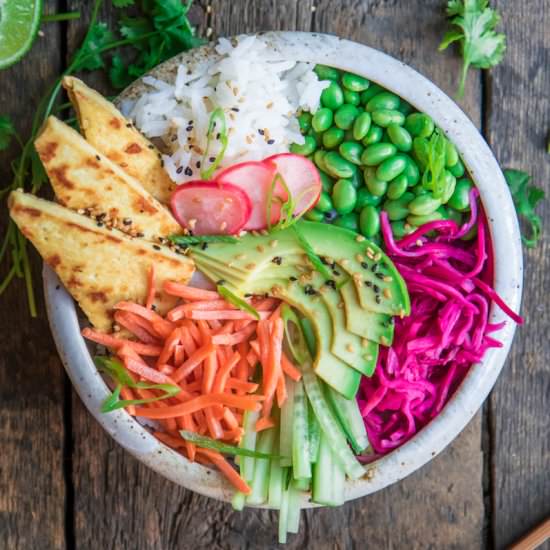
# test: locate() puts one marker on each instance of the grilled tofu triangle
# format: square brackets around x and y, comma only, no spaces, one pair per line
[114,136]
[84,179]
[99,267]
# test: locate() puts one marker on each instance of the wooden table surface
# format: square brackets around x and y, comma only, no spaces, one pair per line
[65,484]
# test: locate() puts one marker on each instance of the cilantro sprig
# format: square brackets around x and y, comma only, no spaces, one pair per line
[474,25]
[526,197]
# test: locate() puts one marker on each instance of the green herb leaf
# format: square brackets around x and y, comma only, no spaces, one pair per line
[434,176]
[526,197]
[310,253]
[480,45]
[7,132]
[236,301]
[189,240]
[208,443]
[89,57]
[217,130]
[120,375]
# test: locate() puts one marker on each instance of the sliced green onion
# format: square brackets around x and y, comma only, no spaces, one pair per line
[310,253]
[189,240]
[216,125]
[236,301]
[294,335]
[208,443]
[434,176]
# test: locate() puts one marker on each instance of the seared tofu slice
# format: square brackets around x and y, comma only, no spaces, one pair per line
[98,266]
[82,178]
[112,134]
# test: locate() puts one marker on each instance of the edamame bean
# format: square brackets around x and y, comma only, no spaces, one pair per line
[322,119]
[348,221]
[391,168]
[314,216]
[365,198]
[353,98]
[374,135]
[377,153]
[370,92]
[450,185]
[424,205]
[419,125]
[401,228]
[454,215]
[470,235]
[304,120]
[397,187]
[318,159]
[352,151]
[384,100]
[420,190]
[332,97]
[327,73]
[333,137]
[399,137]
[421,150]
[412,171]
[316,136]
[405,108]
[398,209]
[421,220]
[369,221]
[338,166]
[375,186]
[326,181]
[357,179]
[385,117]
[306,149]
[354,82]
[458,169]
[324,204]
[451,154]
[460,199]
[345,116]
[344,196]
[361,126]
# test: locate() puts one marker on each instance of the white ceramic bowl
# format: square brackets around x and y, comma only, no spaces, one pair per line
[425,96]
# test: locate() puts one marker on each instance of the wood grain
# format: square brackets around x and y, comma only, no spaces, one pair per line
[518,125]
[439,506]
[32,488]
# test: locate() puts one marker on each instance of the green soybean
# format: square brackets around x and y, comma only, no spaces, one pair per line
[384,100]
[421,220]
[420,190]
[470,235]
[377,153]
[324,203]
[322,119]
[391,168]
[353,98]
[412,171]
[354,82]
[374,135]
[460,199]
[419,125]
[450,185]
[338,166]
[458,169]
[398,209]
[333,137]
[405,108]
[375,186]
[306,149]
[344,196]
[356,178]
[454,215]
[366,198]
[317,136]
[370,92]
[401,229]
[304,120]
[348,221]
[385,117]
[319,159]
[326,181]
[424,205]
[361,126]
[352,151]
[327,73]
[369,221]
[397,187]
[333,96]
[345,116]
[314,215]
[451,154]
[399,137]
[421,150]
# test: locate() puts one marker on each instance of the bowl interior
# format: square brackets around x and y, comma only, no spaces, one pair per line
[482,166]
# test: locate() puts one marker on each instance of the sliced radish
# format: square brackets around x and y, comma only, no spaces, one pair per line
[301,177]
[255,179]
[208,208]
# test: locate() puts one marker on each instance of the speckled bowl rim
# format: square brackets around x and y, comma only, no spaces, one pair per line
[425,96]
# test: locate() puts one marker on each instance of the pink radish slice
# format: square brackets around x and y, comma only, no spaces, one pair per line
[208,208]
[255,179]
[301,177]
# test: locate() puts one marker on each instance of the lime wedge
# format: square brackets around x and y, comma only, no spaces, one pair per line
[19,22]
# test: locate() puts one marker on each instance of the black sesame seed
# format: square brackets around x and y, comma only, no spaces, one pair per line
[270,141]
[323,260]
[189,128]
[364,265]
[156,247]
[220,282]
[98,157]
[198,164]
[127,221]
[100,224]
[248,295]
[154,307]
[292,278]
[335,273]
[212,159]
[376,289]
[380,276]
[377,299]
[101,217]
[140,235]
[151,146]
[309,290]
[129,125]
[331,284]
[218,136]
[368,283]
[277,260]
[188,171]
[236,109]
[261,132]
[204,246]
[374,268]
[179,170]
[159,155]
[174,138]
[162,164]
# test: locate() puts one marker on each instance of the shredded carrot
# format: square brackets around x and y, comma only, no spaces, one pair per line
[225,314]
[233,477]
[189,292]
[213,423]
[263,423]
[289,369]
[281,390]
[230,419]
[192,362]
[235,338]
[179,354]
[241,385]
[171,342]
[151,288]
[272,368]
[116,343]
[128,321]
[223,373]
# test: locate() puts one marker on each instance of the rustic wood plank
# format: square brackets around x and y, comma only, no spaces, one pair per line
[32,488]
[518,124]
[116,497]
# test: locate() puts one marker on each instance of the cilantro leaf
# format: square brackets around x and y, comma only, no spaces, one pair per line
[89,57]
[480,45]
[526,197]
[7,131]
